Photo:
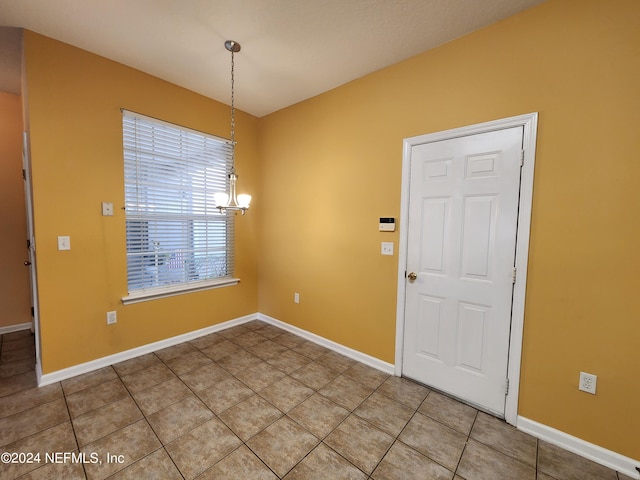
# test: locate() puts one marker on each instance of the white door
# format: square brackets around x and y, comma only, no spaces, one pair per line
[461,244]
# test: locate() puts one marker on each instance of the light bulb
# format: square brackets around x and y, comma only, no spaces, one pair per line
[244,200]
[221,199]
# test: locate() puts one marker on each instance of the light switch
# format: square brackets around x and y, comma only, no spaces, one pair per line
[64,243]
[387,248]
[107,209]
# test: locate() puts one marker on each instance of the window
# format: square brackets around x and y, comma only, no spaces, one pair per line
[177,240]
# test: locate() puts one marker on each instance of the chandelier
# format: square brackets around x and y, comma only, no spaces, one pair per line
[231,201]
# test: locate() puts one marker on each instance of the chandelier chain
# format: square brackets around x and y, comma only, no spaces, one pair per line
[230,201]
[233,115]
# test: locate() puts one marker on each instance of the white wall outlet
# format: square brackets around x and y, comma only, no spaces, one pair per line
[112,317]
[588,382]
[64,242]
[386,248]
[107,209]
[296,297]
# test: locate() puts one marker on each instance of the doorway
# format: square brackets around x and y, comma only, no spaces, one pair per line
[14,277]
[464,238]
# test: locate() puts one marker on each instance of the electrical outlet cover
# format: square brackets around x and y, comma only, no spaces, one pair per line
[588,383]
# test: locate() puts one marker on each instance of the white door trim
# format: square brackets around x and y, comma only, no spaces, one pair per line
[529,122]
[33,271]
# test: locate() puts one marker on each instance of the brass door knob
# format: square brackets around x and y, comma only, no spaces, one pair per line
[412,276]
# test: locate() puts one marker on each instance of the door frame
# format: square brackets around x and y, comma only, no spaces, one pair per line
[529,122]
[33,271]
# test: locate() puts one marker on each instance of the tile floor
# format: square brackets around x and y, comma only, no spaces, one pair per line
[256,402]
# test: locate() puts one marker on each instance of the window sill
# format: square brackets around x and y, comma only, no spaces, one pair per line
[170,291]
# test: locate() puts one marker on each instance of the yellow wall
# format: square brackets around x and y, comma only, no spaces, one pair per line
[330,166]
[14,277]
[74,101]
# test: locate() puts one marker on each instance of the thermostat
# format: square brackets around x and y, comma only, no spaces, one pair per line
[387,224]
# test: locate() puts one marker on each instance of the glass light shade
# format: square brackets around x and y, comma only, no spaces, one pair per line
[221,199]
[244,200]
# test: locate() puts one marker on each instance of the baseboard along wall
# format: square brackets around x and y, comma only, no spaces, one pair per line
[15,328]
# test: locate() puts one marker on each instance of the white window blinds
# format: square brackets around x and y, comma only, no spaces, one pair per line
[176,238]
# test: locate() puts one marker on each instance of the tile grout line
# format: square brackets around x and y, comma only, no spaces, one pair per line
[146,419]
[316,391]
[73,428]
[119,377]
[351,412]
[199,399]
[243,442]
[417,412]
[466,443]
[22,412]
[321,441]
[396,438]
[213,413]
[284,414]
[538,457]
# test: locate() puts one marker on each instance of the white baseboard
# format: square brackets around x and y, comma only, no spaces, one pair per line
[336,347]
[59,375]
[593,452]
[15,328]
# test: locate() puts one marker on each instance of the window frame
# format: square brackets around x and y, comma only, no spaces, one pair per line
[135,211]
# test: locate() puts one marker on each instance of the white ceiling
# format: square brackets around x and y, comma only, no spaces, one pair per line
[291,49]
